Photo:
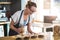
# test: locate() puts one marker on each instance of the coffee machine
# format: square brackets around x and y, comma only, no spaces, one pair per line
[3,15]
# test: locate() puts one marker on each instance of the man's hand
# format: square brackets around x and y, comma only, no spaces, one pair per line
[20,30]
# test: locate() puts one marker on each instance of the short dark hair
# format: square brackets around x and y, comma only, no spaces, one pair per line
[29,4]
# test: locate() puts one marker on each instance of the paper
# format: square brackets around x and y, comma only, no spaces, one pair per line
[1,31]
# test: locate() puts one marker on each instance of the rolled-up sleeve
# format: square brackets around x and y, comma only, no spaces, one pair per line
[15,16]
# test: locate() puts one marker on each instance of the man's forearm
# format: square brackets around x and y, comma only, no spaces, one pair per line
[29,29]
[13,28]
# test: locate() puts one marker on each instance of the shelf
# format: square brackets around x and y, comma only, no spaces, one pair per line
[5,2]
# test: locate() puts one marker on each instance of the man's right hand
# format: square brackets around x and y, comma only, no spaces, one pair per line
[20,30]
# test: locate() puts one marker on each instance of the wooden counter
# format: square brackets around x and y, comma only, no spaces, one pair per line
[22,37]
[8,38]
[56,37]
[14,38]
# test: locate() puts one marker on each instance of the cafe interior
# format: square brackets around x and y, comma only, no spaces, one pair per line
[46,23]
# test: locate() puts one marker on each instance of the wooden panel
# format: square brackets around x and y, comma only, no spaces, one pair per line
[49,19]
[56,32]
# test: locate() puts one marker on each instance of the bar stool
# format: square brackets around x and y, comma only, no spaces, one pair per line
[40,37]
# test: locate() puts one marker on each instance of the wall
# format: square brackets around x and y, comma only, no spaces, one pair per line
[15,6]
[23,4]
[47,8]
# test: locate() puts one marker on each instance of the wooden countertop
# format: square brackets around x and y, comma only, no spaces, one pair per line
[14,37]
[8,38]
[56,37]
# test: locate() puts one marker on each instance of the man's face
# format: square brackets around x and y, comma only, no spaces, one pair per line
[32,9]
